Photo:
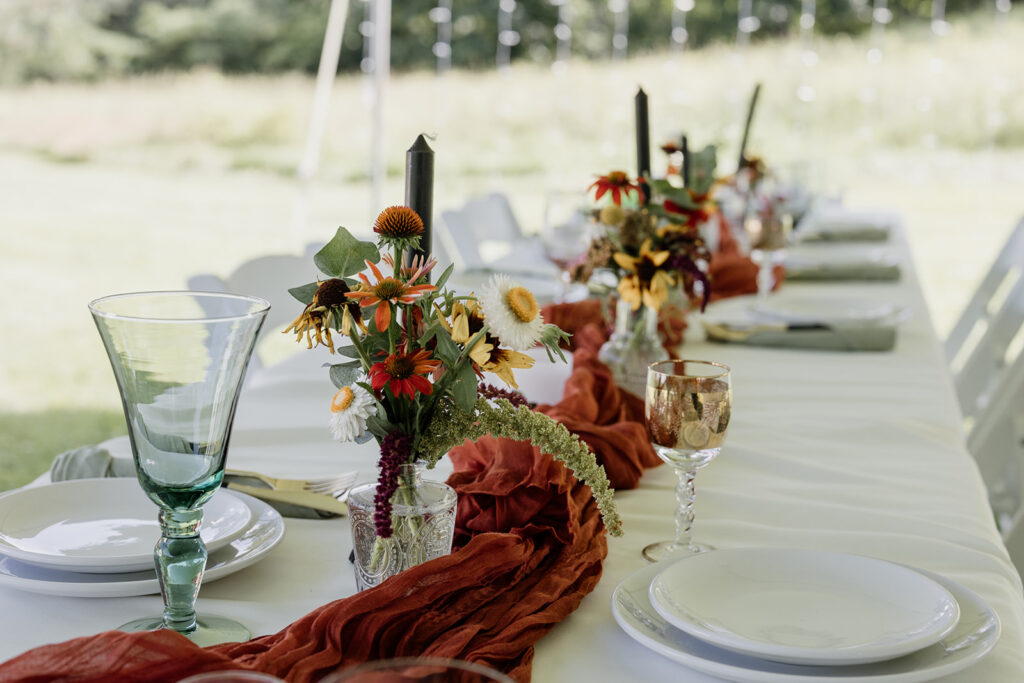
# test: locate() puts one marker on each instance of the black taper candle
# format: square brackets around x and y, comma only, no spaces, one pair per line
[419,189]
[643,141]
[746,128]
[686,162]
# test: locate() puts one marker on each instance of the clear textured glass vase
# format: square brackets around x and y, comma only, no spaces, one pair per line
[179,359]
[422,522]
[633,346]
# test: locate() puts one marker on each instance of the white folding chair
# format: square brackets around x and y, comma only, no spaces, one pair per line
[987,364]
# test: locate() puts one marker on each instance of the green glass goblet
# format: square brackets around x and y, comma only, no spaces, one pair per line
[179,359]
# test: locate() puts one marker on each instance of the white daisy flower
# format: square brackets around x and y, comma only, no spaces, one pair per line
[349,409]
[512,313]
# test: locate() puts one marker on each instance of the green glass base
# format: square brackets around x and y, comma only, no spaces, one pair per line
[210,630]
[670,550]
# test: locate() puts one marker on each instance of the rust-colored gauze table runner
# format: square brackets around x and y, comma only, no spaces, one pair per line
[530,546]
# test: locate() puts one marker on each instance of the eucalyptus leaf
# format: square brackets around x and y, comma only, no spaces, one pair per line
[347,351]
[344,255]
[344,374]
[305,292]
[464,389]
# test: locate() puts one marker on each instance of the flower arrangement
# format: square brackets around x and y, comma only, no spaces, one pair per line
[651,245]
[417,355]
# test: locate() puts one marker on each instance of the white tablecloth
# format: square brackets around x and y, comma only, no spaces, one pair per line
[859,453]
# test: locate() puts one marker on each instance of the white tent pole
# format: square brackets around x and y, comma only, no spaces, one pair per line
[381,73]
[325,75]
[327,71]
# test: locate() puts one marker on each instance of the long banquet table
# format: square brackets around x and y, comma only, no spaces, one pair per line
[850,452]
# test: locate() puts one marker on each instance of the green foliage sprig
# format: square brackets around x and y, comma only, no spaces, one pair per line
[451,426]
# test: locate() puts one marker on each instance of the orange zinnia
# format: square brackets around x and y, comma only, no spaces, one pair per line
[389,290]
[404,373]
[616,182]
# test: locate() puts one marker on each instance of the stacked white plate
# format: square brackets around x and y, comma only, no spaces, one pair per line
[95,537]
[774,614]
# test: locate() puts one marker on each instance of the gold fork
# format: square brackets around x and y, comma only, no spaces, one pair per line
[329,486]
[321,494]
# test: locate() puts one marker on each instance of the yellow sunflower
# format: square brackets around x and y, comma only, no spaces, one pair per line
[646,283]
[503,361]
[466,321]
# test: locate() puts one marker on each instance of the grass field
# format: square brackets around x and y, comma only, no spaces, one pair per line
[139,184]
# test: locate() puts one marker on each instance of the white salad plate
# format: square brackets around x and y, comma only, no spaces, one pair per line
[975,634]
[256,541]
[794,309]
[804,606]
[101,525]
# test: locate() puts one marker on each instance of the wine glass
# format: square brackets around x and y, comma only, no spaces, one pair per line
[768,234]
[179,359]
[566,234]
[688,407]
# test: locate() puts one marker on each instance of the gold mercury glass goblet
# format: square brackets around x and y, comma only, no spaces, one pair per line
[688,407]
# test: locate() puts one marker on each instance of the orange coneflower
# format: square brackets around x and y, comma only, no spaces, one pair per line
[399,226]
[388,291]
[404,373]
[618,183]
[647,283]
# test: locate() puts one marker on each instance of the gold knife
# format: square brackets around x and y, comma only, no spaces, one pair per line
[726,332]
[316,501]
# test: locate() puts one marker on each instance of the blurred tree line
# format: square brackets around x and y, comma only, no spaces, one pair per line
[92,39]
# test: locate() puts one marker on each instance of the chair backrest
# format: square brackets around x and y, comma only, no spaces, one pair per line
[458,238]
[1005,270]
[270,278]
[493,218]
[481,231]
[996,334]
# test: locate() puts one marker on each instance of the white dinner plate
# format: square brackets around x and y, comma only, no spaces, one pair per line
[974,636]
[837,310]
[255,542]
[804,606]
[101,525]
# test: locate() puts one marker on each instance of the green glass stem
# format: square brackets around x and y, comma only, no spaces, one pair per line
[180,559]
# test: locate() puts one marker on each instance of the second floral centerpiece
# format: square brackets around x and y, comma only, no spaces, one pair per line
[654,257]
[413,380]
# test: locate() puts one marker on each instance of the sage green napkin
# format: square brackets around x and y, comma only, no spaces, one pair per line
[881,272]
[844,233]
[844,337]
[93,461]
